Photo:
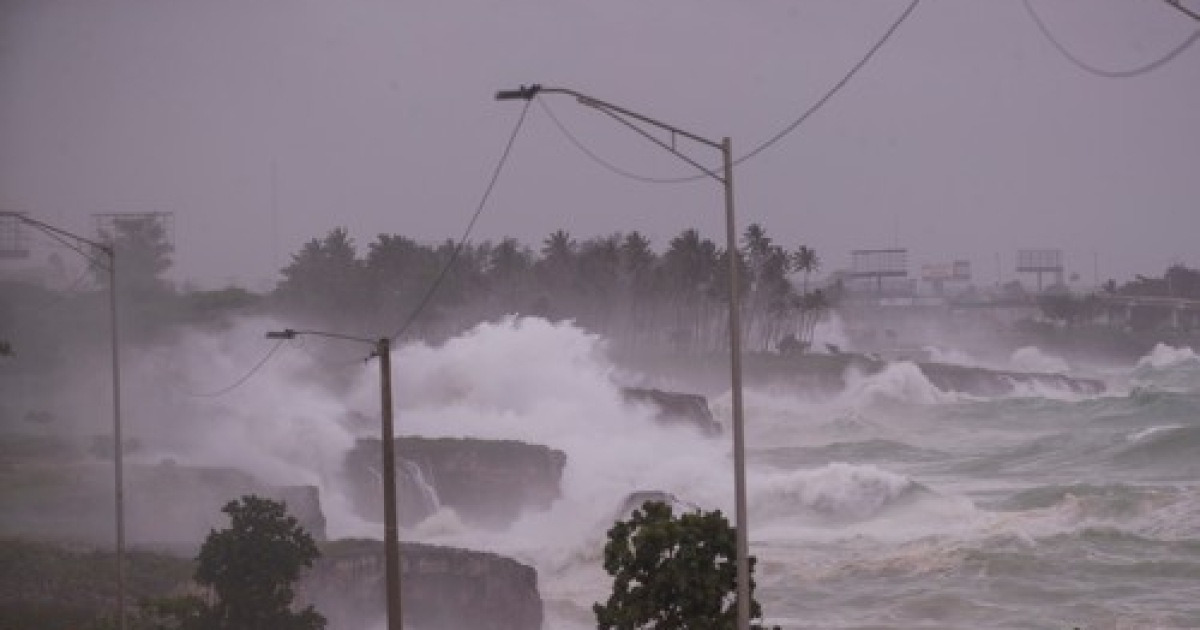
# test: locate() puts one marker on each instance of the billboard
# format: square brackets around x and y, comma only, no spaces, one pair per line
[937,271]
[1039,260]
[879,263]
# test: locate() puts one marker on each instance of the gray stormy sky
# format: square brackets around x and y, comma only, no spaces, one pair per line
[969,135]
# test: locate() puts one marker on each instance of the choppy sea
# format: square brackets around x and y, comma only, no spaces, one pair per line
[894,505]
[889,505]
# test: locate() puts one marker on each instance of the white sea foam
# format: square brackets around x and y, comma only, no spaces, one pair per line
[1033,359]
[1138,436]
[952,356]
[1042,389]
[830,331]
[1164,356]
[838,491]
[902,382]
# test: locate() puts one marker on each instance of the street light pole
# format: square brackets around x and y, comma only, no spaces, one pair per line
[391,532]
[735,327]
[118,448]
[735,377]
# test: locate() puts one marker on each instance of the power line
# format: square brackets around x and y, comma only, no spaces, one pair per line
[768,143]
[1103,72]
[887,35]
[1178,6]
[462,241]
[592,154]
[428,294]
[245,377]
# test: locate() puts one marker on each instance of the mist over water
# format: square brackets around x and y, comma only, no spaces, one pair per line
[891,504]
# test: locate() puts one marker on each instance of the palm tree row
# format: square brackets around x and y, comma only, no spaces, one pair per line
[616,285]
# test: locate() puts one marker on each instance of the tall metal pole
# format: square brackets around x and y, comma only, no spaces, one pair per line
[118,447]
[735,324]
[391,539]
[391,536]
[109,250]
[735,368]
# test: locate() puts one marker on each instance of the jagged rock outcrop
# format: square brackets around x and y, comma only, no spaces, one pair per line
[442,588]
[676,408]
[486,482]
[985,382]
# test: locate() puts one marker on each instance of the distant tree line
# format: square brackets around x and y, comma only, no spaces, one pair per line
[1070,309]
[616,284]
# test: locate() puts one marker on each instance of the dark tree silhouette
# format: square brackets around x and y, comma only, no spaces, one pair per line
[672,573]
[251,567]
[143,252]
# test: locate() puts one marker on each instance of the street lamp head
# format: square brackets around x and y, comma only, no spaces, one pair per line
[522,93]
[286,333]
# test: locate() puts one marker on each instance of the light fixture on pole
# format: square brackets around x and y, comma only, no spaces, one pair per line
[118,448]
[391,535]
[735,329]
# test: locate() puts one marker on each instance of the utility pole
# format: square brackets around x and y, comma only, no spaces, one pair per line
[391,535]
[382,349]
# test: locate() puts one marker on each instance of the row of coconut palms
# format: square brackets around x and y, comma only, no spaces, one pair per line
[617,285]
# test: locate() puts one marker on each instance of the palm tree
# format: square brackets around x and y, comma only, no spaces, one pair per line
[689,273]
[805,259]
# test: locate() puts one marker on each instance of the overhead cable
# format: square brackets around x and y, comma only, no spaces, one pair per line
[1104,72]
[428,294]
[462,241]
[763,146]
[1178,6]
[245,377]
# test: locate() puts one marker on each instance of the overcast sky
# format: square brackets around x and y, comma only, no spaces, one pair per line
[968,136]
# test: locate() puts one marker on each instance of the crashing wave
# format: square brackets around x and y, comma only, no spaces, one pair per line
[1032,359]
[837,492]
[898,382]
[1163,357]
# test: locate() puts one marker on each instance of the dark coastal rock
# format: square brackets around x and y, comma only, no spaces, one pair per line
[442,588]
[173,504]
[166,505]
[985,382]
[60,586]
[826,374]
[486,482]
[676,408]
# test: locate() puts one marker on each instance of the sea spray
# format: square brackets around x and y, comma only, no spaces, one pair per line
[865,541]
[1164,356]
[836,492]
[1033,359]
[830,333]
[899,382]
[282,427]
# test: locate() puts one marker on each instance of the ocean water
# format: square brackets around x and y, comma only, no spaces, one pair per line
[892,504]
[889,505]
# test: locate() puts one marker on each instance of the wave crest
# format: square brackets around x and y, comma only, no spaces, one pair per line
[838,492]
[1163,357]
[898,382]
